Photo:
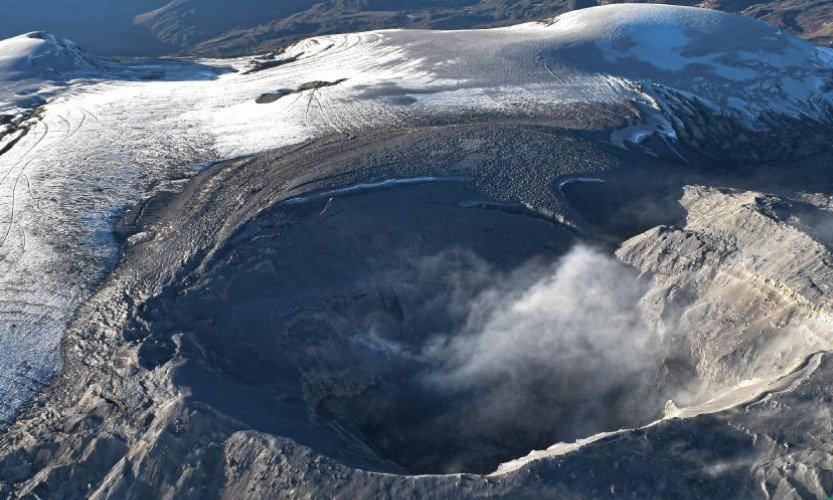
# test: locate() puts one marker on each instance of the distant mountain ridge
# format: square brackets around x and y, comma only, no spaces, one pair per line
[222,28]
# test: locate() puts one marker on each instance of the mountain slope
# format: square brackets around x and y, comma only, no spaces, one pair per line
[184,23]
[218,28]
[804,18]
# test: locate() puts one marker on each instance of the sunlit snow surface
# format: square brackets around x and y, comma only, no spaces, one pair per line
[112,133]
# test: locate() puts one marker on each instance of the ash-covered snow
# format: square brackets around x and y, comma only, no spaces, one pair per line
[112,133]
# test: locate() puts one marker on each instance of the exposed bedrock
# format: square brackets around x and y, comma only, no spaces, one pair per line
[748,276]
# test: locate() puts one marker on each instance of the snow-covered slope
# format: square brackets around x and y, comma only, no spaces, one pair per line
[730,61]
[44,55]
[33,62]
